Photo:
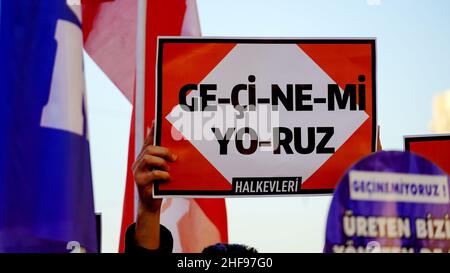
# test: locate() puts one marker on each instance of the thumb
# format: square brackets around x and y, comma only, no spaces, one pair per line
[151,135]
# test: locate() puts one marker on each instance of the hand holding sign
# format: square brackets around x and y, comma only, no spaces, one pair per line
[151,165]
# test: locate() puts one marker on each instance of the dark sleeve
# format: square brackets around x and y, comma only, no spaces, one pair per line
[165,242]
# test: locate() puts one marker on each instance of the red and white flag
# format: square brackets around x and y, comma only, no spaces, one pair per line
[121,36]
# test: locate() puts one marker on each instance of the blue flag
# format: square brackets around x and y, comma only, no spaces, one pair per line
[46,196]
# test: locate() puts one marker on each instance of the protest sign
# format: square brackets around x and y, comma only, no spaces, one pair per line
[390,202]
[435,148]
[263,116]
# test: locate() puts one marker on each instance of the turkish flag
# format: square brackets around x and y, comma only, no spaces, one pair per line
[111,39]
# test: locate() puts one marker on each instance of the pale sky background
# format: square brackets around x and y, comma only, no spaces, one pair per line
[413,38]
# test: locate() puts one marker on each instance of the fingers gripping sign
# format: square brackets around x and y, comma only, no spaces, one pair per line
[151,166]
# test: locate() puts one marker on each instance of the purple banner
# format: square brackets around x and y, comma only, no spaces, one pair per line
[390,202]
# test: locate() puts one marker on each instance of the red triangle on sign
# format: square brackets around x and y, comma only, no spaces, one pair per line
[343,63]
[198,62]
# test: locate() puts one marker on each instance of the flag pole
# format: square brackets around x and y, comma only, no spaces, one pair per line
[139,100]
